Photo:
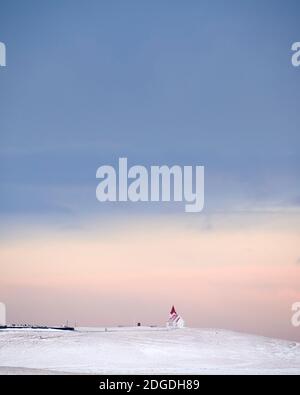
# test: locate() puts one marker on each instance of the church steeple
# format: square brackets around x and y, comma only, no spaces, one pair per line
[173,311]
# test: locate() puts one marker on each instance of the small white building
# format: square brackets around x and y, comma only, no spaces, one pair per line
[2,314]
[175,320]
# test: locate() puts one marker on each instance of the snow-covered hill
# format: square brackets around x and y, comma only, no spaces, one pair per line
[145,350]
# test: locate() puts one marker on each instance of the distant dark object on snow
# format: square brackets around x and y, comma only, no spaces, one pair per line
[37,327]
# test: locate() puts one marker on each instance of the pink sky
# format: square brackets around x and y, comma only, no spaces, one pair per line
[222,277]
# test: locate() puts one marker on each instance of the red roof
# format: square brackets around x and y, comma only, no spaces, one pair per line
[173,311]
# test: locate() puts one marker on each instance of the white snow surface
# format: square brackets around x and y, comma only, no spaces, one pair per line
[145,351]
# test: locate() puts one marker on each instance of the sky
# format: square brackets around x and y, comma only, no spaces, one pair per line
[163,82]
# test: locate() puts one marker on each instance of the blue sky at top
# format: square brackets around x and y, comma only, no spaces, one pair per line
[161,82]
